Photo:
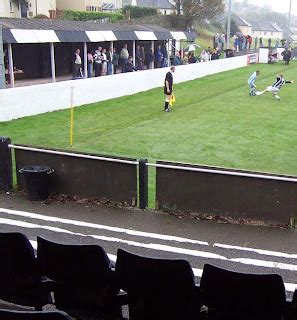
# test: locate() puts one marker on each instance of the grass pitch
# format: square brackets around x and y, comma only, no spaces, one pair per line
[213,122]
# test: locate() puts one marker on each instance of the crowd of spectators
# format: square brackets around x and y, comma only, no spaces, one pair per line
[107,61]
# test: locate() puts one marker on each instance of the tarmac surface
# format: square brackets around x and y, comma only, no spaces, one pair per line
[241,248]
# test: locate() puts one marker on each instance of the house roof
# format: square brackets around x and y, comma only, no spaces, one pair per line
[288,30]
[266,26]
[239,21]
[158,4]
[43,31]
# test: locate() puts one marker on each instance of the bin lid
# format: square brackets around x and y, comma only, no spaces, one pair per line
[36,169]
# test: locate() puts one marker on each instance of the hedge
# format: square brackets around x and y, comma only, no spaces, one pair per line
[138,12]
[87,16]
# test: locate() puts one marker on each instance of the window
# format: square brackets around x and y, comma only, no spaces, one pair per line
[91,8]
[10,6]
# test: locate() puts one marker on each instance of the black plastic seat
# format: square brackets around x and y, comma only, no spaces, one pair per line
[83,281]
[157,288]
[20,278]
[231,295]
[33,315]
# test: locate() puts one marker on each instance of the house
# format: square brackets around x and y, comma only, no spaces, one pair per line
[267,30]
[164,7]
[243,26]
[27,8]
[80,5]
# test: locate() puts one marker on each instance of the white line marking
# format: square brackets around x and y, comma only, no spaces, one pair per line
[102,227]
[266,264]
[290,287]
[152,246]
[259,251]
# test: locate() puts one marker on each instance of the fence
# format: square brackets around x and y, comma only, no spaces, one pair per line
[179,186]
[32,100]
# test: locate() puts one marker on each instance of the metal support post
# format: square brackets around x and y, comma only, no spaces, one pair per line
[53,64]
[10,61]
[5,164]
[143,184]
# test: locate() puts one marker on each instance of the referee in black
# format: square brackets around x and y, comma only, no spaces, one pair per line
[168,83]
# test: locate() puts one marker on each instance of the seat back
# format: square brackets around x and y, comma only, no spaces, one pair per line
[157,288]
[230,295]
[18,266]
[33,315]
[85,265]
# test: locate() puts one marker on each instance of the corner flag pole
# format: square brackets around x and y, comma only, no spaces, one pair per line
[71,117]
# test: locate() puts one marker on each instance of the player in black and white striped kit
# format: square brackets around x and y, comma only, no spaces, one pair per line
[280,81]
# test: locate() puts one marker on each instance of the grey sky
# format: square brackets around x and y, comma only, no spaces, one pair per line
[276,5]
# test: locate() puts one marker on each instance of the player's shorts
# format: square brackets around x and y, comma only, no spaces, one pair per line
[273,89]
[166,93]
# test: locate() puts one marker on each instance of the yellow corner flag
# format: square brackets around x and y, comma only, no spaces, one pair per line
[172,100]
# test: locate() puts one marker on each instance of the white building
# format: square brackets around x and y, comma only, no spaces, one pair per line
[27,8]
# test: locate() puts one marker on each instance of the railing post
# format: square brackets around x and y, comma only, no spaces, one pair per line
[5,164]
[143,184]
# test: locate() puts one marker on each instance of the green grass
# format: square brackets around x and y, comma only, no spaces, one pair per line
[214,122]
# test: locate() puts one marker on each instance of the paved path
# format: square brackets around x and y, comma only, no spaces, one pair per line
[235,247]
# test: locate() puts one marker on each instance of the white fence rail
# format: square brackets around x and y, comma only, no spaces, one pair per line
[32,100]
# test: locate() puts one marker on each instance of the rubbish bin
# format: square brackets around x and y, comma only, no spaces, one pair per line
[36,181]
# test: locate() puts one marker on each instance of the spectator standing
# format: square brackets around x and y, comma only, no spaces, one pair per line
[115,60]
[250,40]
[256,43]
[124,55]
[222,42]
[149,59]
[261,42]
[98,61]
[277,43]
[77,65]
[142,53]
[138,59]
[158,57]
[269,42]
[109,61]
[286,56]
[165,57]
[104,63]
[90,64]
[168,88]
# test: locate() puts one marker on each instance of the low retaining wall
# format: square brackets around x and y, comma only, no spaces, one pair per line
[81,175]
[27,101]
[226,192]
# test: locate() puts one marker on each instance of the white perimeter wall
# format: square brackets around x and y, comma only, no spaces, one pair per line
[27,101]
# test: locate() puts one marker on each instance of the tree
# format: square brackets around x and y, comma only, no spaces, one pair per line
[233,27]
[199,9]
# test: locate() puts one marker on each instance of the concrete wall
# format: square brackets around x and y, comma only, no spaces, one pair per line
[227,192]
[27,101]
[83,177]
